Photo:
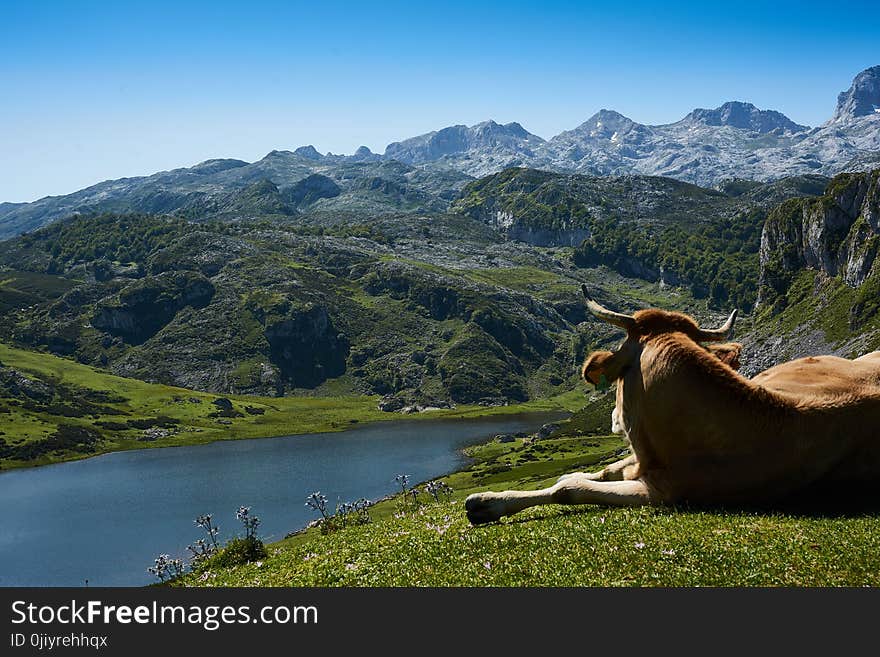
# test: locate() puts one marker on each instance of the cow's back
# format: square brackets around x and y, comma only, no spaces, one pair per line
[823,377]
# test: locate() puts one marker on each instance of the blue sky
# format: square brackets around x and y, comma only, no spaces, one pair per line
[98,90]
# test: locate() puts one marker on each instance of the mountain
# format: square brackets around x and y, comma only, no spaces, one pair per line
[836,235]
[861,99]
[474,304]
[745,116]
[703,148]
[736,141]
[285,182]
[475,150]
[404,306]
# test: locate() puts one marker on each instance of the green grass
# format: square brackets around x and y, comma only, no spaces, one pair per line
[434,545]
[527,279]
[589,546]
[135,400]
[839,311]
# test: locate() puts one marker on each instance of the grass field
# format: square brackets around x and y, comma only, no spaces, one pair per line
[433,544]
[115,411]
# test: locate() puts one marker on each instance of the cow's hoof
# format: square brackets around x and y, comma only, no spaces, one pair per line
[482,509]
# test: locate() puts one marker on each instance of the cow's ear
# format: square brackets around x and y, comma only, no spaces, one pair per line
[604,367]
[727,353]
[601,368]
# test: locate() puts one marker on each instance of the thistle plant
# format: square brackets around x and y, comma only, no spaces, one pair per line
[343,511]
[406,492]
[414,495]
[166,568]
[318,502]
[437,488]
[202,549]
[362,509]
[346,513]
[250,522]
[205,522]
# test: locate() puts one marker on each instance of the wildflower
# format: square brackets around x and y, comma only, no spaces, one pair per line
[437,488]
[206,522]
[639,546]
[343,510]
[166,568]
[250,522]
[318,502]
[362,508]
[668,553]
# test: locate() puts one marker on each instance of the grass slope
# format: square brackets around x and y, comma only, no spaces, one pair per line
[588,546]
[193,415]
[434,545]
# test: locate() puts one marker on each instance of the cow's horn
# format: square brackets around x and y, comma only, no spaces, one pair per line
[719,334]
[618,319]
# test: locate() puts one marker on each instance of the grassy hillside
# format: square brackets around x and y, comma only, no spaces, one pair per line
[250,309]
[432,544]
[53,409]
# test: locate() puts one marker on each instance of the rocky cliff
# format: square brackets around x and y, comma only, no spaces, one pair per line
[836,235]
[819,276]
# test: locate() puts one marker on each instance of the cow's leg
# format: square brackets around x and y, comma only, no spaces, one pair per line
[611,472]
[488,507]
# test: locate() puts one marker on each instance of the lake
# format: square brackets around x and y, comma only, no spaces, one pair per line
[104,519]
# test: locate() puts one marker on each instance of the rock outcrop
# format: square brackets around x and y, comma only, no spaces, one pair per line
[837,234]
[142,308]
[306,346]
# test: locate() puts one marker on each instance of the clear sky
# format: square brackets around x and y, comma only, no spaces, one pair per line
[97,90]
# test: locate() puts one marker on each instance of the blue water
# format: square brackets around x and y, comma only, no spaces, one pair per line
[106,518]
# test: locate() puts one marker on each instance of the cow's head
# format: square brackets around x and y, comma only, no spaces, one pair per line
[642,326]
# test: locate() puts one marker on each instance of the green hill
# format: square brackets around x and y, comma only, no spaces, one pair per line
[53,409]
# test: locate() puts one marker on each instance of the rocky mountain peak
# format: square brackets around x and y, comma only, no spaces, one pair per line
[309,152]
[503,140]
[517,130]
[862,98]
[491,129]
[745,116]
[604,122]
[364,154]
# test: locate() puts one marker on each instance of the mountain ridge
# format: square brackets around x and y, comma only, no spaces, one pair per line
[733,141]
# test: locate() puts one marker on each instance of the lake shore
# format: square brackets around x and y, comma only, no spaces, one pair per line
[132,414]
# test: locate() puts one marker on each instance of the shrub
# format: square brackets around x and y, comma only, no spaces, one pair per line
[240,551]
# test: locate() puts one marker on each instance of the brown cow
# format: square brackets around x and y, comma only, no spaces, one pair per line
[702,433]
